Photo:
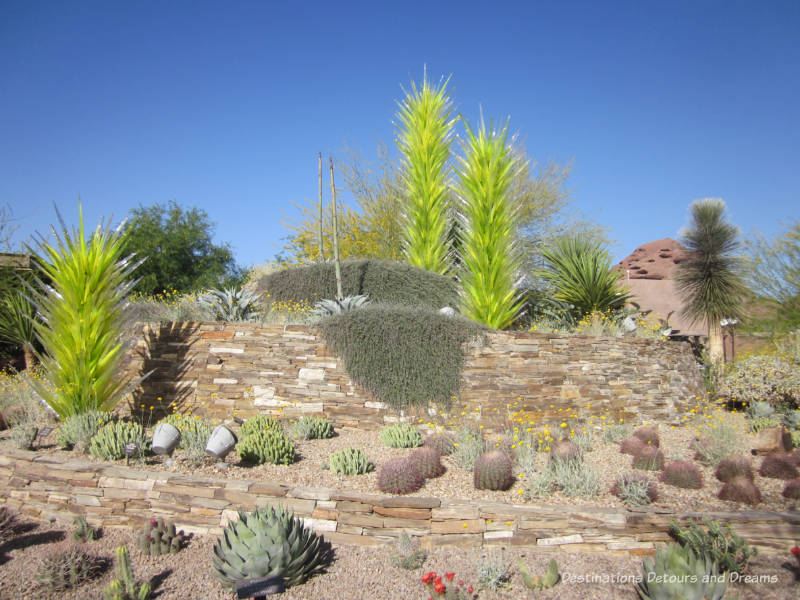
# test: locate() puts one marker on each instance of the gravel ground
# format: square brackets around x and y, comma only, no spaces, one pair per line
[360,572]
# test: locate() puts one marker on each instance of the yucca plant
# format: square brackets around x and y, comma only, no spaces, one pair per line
[489,254]
[17,316]
[231,304]
[83,315]
[578,270]
[425,132]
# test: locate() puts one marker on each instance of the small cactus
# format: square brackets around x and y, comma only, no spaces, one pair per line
[732,466]
[631,446]
[65,566]
[682,474]
[648,434]
[429,462]
[125,587]
[565,450]
[83,531]
[259,423]
[350,461]
[540,582]
[649,458]
[792,489]
[266,446]
[311,428]
[778,466]
[493,471]
[441,442]
[401,435]
[400,476]
[740,489]
[159,537]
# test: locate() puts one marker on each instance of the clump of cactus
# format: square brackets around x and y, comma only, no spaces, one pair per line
[635,489]
[311,428]
[631,446]
[429,462]
[83,531]
[677,572]
[493,471]
[78,430]
[721,544]
[401,435]
[109,441]
[540,582]
[648,434]
[649,458]
[159,537]
[441,442]
[778,466]
[7,518]
[732,466]
[792,489]
[682,474]
[259,423]
[740,489]
[400,476]
[266,446]
[269,542]
[564,450]
[66,566]
[350,461]
[125,586]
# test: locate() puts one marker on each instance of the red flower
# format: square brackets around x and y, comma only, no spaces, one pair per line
[469,589]
[439,588]
[438,580]
[460,582]
[428,577]
[795,551]
[449,576]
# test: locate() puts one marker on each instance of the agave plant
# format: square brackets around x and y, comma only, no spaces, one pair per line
[82,318]
[327,307]
[489,254]
[231,304]
[270,542]
[677,572]
[425,132]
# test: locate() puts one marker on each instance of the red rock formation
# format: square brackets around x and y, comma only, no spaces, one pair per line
[655,260]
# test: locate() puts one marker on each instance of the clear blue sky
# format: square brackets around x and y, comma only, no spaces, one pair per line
[224,105]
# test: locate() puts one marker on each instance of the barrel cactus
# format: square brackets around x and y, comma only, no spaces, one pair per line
[401,435]
[350,461]
[493,471]
[441,442]
[429,461]
[677,572]
[400,476]
[159,537]
[269,542]
[266,445]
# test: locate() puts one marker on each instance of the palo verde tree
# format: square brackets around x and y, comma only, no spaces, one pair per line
[425,129]
[709,280]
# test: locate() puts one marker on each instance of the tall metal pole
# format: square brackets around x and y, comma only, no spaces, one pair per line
[336,265]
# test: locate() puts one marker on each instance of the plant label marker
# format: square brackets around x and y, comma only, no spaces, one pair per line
[260,588]
[44,432]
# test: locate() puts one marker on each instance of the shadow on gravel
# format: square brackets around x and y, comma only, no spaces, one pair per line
[157,580]
[21,542]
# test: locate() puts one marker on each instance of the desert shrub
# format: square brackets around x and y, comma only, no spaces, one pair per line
[109,442]
[584,440]
[195,432]
[720,544]
[383,281]
[469,445]
[740,489]
[631,446]
[259,423]
[23,409]
[649,458]
[760,423]
[311,428]
[760,409]
[78,430]
[616,432]
[682,474]
[635,489]
[401,435]
[429,462]
[169,306]
[65,566]
[721,441]
[573,478]
[441,442]
[407,554]
[777,466]
[493,573]
[402,355]
[266,445]
[795,435]
[648,434]
[400,476]
[493,471]
[350,461]
[773,378]
[734,466]
[792,489]
[564,450]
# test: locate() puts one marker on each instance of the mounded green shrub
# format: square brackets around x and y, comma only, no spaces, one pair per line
[266,445]
[383,281]
[259,423]
[350,461]
[311,428]
[78,430]
[109,442]
[401,435]
[402,355]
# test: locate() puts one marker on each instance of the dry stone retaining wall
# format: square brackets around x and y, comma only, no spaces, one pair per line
[218,368]
[111,495]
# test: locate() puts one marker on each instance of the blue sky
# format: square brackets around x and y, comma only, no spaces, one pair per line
[224,105]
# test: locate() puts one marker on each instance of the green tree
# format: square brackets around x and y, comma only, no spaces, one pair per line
[178,250]
[773,273]
[709,280]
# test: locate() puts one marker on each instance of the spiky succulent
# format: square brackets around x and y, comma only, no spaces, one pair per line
[330,307]
[777,466]
[258,423]
[648,434]
[400,476]
[311,428]
[231,304]
[429,461]
[740,489]
[441,442]
[649,458]
[109,442]
[493,471]
[682,474]
[159,537]
[78,430]
[267,445]
[565,450]
[350,461]
[677,572]
[64,567]
[732,466]
[269,542]
[125,586]
[83,532]
[401,435]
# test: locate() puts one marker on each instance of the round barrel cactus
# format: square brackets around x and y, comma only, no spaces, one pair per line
[493,471]
[429,461]
[400,476]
